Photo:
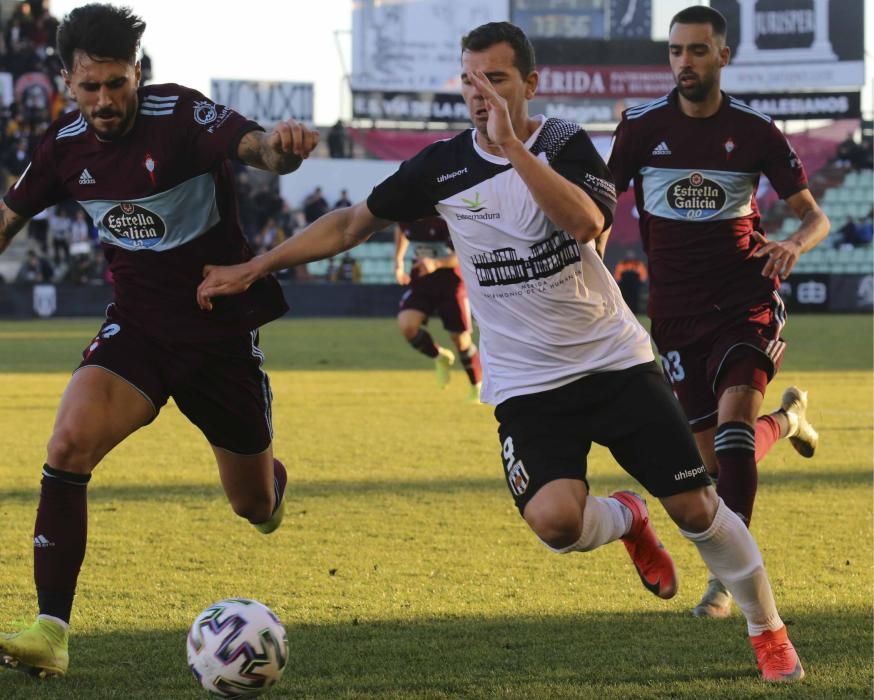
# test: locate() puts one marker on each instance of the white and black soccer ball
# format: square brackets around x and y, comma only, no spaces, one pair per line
[237,648]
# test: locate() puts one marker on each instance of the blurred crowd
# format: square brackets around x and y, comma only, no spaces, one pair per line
[855,155]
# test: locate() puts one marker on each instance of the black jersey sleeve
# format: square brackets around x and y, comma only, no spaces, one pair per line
[580,162]
[621,160]
[401,197]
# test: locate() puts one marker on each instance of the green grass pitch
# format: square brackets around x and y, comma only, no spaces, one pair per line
[402,569]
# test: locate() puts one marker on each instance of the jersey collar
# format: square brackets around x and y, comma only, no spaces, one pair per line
[497,160]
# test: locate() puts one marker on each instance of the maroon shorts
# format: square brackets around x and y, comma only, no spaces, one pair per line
[219,386]
[696,350]
[441,293]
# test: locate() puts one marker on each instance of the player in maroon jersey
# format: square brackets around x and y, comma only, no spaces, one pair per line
[696,156]
[435,286]
[151,167]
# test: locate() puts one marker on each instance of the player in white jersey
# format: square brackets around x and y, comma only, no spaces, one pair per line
[564,360]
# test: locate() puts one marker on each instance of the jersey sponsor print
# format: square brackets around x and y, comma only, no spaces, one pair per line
[695,183]
[162,200]
[547,309]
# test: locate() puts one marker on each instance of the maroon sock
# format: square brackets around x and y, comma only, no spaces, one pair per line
[59,538]
[280,478]
[767,433]
[735,445]
[424,343]
[471,364]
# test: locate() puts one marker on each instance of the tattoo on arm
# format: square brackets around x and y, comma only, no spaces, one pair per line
[10,224]
[255,150]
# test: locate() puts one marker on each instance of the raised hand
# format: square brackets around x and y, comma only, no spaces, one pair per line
[499,126]
[293,137]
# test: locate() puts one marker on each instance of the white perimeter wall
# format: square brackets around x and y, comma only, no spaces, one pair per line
[358,177]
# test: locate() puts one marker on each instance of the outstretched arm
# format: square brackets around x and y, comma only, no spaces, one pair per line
[10,224]
[329,235]
[282,150]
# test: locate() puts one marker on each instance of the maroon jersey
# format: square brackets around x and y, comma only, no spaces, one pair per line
[162,198]
[429,237]
[695,183]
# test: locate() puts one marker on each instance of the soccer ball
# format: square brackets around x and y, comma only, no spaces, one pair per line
[237,648]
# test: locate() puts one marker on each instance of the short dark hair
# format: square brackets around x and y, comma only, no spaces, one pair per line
[487,35]
[101,31]
[699,14]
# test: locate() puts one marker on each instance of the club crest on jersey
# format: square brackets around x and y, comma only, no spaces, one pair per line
[518,478]
[729,147]
[133,226]
[150,164]
[696,197]
[204,112]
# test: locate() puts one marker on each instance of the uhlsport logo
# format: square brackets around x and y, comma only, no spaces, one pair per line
[688,473]
[696,197]
[134,226]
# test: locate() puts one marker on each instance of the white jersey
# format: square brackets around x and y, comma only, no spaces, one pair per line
[548,310]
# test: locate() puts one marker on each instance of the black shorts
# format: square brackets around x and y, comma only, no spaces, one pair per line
[219,386]
[547,436]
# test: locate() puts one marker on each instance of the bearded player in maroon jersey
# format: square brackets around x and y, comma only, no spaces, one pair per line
[151,167]
[696,156]
[434,286]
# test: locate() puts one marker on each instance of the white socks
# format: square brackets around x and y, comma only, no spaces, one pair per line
[604,520]
[730,552]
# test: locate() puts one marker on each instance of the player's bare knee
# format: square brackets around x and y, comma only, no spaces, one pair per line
[253,508]
[558,528]
[71,451]
[408,327]
[692,511]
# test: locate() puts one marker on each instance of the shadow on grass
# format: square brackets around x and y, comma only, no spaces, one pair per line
[619,655]
[303,489]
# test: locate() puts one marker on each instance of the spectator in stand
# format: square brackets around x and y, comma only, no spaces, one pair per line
[80,234]
[315,205]
[34,270]
[866,155]
[849,235]
[847,151]
[630,273]
[60,224]
[286,219]
[344,200]
[82,268]
[349,269]
[338,141]
[270,236]
[38,230]
[16,159]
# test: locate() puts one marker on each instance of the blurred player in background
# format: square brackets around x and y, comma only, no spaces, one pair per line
[435,287]
[152,168]
[564,360]
[696,156]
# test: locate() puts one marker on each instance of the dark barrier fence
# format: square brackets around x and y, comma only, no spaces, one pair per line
[305,300]
[803,292]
